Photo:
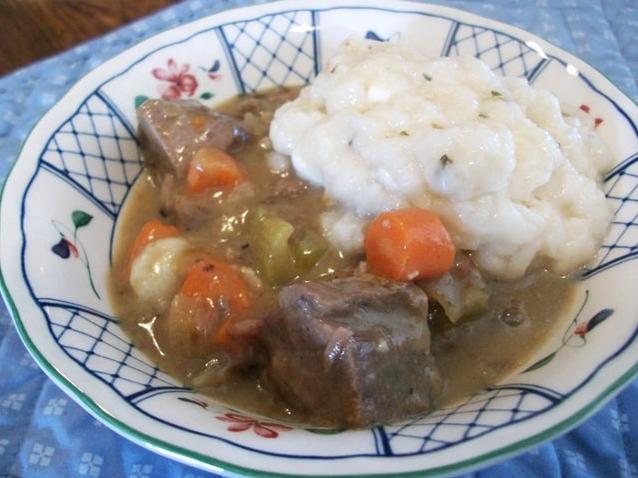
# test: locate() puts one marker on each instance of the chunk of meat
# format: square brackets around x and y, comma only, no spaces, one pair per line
[186,210]
[267,102]
[171,132]
[258,109]
[355,351]
[287,187]
[190,211]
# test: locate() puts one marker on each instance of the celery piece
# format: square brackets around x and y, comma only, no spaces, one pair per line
[309,249]
[270,248]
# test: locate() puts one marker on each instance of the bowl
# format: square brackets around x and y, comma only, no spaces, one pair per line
[61,203]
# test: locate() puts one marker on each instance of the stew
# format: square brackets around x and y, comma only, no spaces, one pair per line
[223,276]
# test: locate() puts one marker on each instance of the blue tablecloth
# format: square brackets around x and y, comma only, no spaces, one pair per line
[44,433]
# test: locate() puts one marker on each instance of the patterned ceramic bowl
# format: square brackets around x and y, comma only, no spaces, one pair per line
[60,210]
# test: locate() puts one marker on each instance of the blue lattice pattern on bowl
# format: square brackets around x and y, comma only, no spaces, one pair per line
[264,54]
[503,53]
[97,150]
[96,342]
[94,151]
[478,415]
[621,189]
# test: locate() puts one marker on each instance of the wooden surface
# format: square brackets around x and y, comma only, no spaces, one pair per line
[34,29]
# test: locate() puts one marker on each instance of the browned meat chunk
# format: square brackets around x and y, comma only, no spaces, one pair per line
[354,351]
[268,102]
[258,109]
[188,211]
[172,131]
[287,187]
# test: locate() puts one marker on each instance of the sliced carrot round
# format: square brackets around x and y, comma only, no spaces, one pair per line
[214,282]
[408,244]
[211,168]
[212,278]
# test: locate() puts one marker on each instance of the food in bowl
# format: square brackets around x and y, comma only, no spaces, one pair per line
[393,237]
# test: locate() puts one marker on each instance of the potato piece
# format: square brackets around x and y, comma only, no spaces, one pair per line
[462,292]
[155,273]
[190,327]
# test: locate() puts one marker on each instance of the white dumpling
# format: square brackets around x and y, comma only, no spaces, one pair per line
[384,127]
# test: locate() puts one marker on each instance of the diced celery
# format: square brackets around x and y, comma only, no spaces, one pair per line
[270,248]
[309,249]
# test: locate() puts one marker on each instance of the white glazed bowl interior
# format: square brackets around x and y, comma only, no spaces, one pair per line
[74,172]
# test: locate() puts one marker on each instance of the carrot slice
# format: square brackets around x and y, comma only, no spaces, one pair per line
[153,230]
[211,278]
[211,168]
[408,244]
[217,285]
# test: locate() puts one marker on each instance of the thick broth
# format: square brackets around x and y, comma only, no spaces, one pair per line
[470,355]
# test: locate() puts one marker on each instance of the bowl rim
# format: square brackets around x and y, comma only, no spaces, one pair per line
[194,458]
